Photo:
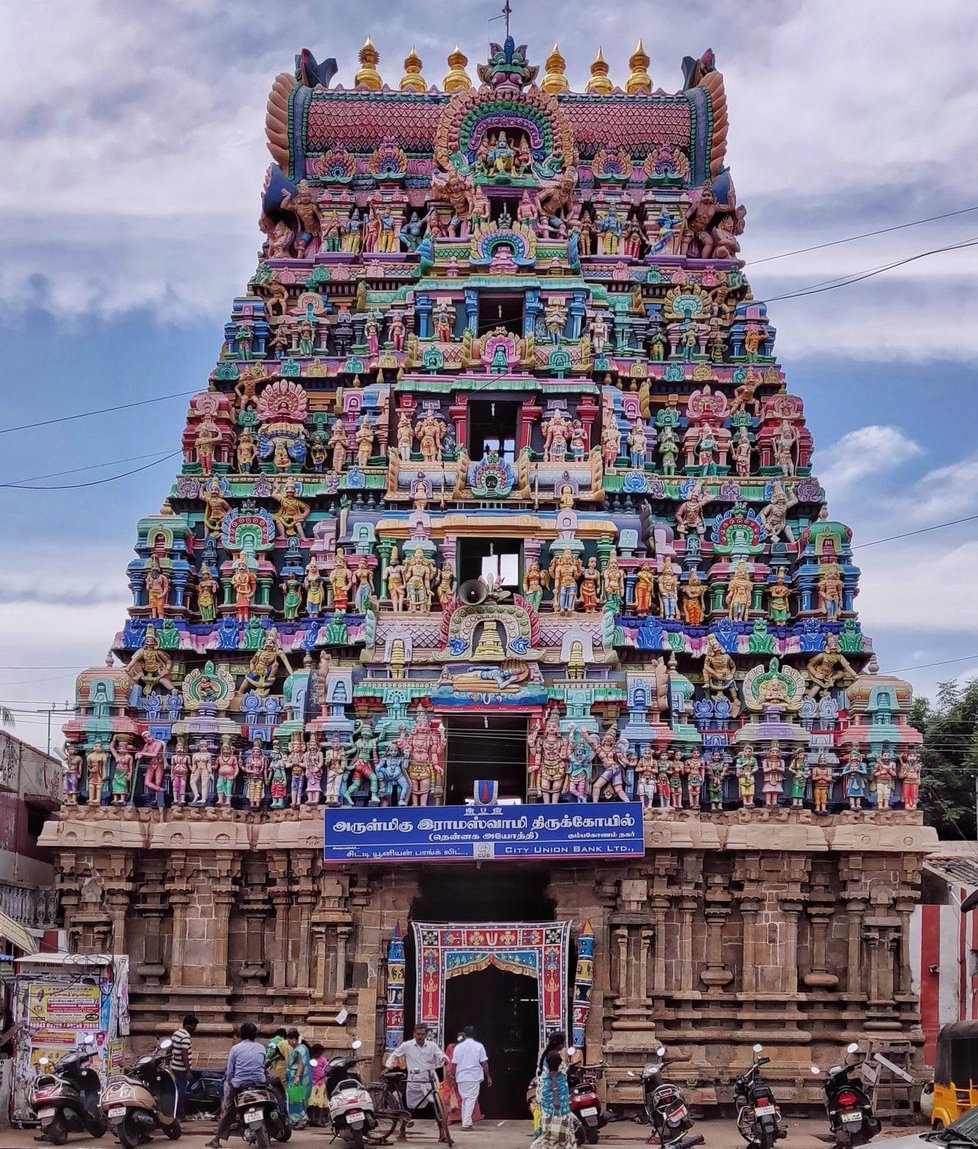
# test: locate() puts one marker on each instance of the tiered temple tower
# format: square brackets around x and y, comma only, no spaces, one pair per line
[496,490]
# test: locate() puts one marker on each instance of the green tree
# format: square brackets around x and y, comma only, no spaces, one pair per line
[950,758]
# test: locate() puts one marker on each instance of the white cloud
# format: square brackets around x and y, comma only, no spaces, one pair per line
[903,587]
[872,450]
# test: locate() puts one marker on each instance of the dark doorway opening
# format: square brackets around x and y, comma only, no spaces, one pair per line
[484,747]
[501,311]
[495,893]
[504,1009]
[480,558]
[492,427]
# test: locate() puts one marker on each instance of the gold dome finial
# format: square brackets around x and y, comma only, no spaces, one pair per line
[368,77]
[599,84]
[554,80]
[412,80]
[639,81]
[457,79]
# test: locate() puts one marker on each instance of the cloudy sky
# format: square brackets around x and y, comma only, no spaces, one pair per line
[133,146]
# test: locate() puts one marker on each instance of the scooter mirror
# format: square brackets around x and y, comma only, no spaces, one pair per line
[165,1043]
[358,1044]
[816,1070]
[571,1051]
[851,1047]
[757,1048]
[628,1073]
[661,1051]
[44,1061]
[314,1062]
[88,1038]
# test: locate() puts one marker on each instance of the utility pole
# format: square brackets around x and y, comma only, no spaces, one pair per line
[53,709]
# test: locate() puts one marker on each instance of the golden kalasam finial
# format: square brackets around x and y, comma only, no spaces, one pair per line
[639,80]
[368,77]
[599,84]
[457,79]
[554,80]
[412,80]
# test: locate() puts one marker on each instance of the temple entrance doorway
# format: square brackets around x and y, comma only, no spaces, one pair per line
[503,1006]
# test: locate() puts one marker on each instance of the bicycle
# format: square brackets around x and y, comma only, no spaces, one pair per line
[392,1113]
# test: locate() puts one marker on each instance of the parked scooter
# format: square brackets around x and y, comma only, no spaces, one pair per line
[665,1107]
[851,1117]
[261,1113]
[65,1095]
[142,1099]
[585,1105]
[351,1108]
[758,1114]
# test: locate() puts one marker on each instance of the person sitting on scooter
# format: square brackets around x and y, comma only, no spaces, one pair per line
[246,1063]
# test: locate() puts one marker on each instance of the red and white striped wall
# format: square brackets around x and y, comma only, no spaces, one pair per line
[944,966]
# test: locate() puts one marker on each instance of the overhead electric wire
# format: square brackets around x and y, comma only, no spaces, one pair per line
[862,235]
[92,482]
[99,411]
[88,467]
[918,531]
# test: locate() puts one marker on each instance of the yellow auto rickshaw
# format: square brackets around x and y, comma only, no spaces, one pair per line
[955,1072]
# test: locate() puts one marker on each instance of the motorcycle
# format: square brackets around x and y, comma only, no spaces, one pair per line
[351,1108]
[204,1091]
[758,1115]
[261,1113]
[585,1105]
[851,1117]
[142,1099]
[665,1107]
[65,1095]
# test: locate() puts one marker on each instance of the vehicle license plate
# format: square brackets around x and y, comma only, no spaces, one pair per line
[852,1117]
[118,1111]
[763,1110]
[253,1115]
[677,1113]
[44,1113]
[589,1112]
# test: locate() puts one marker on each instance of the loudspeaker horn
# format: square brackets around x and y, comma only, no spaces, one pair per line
[473,591]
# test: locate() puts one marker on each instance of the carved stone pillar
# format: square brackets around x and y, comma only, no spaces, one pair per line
[855,909]
[716,975]
[819,977]
[687,907]
[791,911]
[750,908]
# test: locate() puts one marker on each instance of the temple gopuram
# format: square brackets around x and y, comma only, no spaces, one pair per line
[493,658]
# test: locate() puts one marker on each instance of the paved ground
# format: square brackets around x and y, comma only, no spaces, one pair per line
[487,1135]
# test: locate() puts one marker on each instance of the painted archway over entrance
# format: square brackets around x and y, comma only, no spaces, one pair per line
[537,950]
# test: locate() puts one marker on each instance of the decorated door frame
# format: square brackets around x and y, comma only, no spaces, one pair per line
[540,950]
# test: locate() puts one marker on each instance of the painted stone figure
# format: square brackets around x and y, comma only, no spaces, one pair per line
[565,571]
[822,777]
[856,776]
[228,767]
[96,770]
[201,774]
[423,746]
[910,771]
[123,766]
[549,750]
[772,771]
[745,769]
[612,759]
[798,776]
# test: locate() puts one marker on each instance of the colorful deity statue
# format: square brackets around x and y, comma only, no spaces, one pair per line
[208,589]
[418,575]
[822,776]
[445,586]
[772,772]
[565,570]
[644,586]
[798,776]
[829,668]
[291,598]
[884,776]
[150,666]
[291,513]
[720,672]
[153,751]
[315,588]
[228,767]
[392,779]
[74,762]
[716,773]
[669,589]
[312,765]
[263,667]
[396,577]
[612,759]
[157,589]
[774,516]
[740,592]
[694,596]
[340,581]
[123,769]
[340,444]
[334,762]
[695,771]
[201,774]
[613,583]
[689,513]
[430,433]
[362,767]
[278,779]
[910,771]
[779,598]
[423,746]
[549,750]
[255,767]
[556,436]
[745,768]
[96,772]
[830,591]
[533,583]
[590,586]
[646,771]
[244,583]
[856,779]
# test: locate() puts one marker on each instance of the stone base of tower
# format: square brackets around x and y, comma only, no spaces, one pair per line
[789,930]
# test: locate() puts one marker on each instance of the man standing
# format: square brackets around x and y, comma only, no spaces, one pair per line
[471,1068]
[246,1063]
[421,1058]
[181,1050]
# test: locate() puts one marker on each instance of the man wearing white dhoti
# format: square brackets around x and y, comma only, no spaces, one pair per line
[471,1064]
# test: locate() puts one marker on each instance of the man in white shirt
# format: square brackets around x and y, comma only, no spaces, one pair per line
[421,1058]
[471,1068]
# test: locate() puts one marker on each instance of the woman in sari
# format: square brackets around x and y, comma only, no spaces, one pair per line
[318,1106]
[298,1080]
[554,1125]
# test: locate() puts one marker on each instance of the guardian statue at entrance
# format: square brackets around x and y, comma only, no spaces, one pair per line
[424,748]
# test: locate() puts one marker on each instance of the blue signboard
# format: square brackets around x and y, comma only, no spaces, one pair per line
[566,832]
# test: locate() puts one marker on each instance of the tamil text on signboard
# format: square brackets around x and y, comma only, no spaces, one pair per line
[435,833]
